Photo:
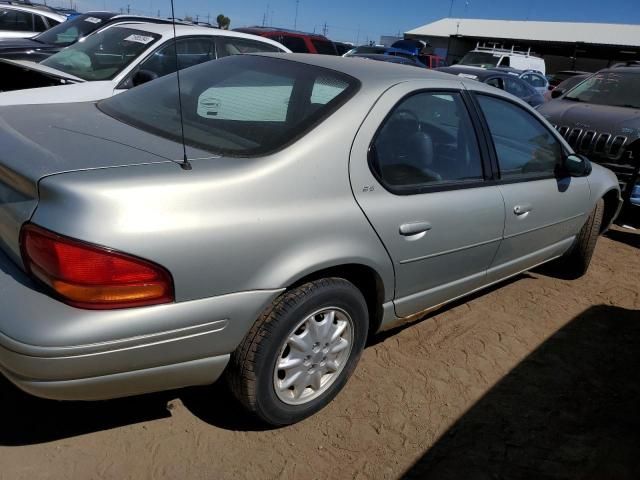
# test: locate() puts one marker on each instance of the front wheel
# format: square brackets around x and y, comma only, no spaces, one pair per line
[578,259]
[301,352]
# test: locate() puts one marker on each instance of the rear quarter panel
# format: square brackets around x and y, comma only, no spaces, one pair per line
[229,224]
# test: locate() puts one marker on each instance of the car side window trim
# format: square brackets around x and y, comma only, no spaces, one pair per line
[498,180]
[444,186]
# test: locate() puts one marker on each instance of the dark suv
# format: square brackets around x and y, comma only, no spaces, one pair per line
[297,42]
[600,118]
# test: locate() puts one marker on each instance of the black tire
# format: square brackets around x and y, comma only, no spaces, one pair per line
[251,369]
[577,261]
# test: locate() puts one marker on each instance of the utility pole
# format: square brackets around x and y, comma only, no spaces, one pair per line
[451,9]
[295,21]
[209,18]
[158,13]
[128,9]
[197,17]
[325,29]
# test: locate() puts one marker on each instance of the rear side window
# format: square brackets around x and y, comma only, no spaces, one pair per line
[236,46]
[523,145]
[190,51]
[39,24]
[428,139]
[241,105]
[295,44]
[15,20]
[323,47]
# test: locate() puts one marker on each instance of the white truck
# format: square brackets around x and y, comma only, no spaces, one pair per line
[487,57]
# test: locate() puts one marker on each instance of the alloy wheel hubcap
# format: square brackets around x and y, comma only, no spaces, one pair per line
[313,356]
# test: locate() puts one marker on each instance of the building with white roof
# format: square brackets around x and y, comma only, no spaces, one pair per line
[563,45]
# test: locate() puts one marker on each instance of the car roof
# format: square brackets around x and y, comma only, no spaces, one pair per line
[182,30]
[44,11]
[363,69]
[261,30]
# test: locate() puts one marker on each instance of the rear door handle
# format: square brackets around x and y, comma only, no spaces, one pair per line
[522,209]
[408,229]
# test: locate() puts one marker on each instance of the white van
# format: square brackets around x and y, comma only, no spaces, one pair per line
[487,57]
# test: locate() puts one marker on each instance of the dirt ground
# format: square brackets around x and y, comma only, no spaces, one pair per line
[537,378]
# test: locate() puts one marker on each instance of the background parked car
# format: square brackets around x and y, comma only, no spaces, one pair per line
[488,57]
[342,48]
[22,21]
[67,33]
[499,78]
[297,42]
[120,57]
[326,199]
[600,117]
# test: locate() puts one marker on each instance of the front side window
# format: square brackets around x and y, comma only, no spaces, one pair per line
[241,105]
[15,20]
[621,89]
[428,139]
[103,55]
[523,145]
[236,46]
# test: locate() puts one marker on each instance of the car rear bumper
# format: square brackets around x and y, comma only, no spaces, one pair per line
[55,351]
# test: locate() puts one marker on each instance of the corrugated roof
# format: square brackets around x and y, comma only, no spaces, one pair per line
[595,33]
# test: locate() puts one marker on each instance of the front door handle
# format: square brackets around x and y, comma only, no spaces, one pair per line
[414,228]
[522,209]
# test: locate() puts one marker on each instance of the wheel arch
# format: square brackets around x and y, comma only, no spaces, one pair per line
[364,277]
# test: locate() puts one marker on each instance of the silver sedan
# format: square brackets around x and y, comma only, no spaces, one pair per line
[294,206]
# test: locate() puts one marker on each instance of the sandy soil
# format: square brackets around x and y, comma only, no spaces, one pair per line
[538,378]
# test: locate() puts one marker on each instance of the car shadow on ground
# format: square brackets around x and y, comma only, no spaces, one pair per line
[29,420]
[630,237]
[569,410]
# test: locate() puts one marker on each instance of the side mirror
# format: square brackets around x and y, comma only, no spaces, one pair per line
[575,165]
[143,76]
[557,92]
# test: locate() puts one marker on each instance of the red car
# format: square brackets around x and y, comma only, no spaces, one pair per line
[297,42]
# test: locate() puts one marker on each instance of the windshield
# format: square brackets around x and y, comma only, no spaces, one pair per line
[620,89]
[241,105]
[480,59]
[103,55]
[70,31]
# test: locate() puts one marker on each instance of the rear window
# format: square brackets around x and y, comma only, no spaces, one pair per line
[295,44]
[241,105]
[324,48]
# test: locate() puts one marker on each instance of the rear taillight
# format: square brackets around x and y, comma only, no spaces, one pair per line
[90,276]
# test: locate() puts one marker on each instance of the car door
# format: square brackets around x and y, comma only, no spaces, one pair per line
[544,212]
[418,173]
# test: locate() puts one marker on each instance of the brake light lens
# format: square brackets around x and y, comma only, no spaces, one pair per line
[90,276]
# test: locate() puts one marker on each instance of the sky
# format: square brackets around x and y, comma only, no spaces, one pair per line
[359,21]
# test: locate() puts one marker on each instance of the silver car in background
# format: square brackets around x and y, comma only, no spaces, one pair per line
[315,200]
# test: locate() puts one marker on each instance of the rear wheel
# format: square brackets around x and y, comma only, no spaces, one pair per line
[578,259]
[300,353]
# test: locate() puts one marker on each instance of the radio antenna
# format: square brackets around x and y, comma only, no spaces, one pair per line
[185,161]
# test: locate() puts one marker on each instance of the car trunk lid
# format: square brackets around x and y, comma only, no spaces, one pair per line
[62,138]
